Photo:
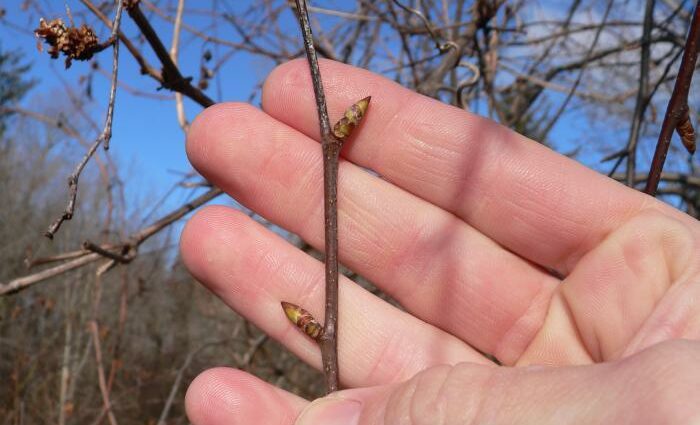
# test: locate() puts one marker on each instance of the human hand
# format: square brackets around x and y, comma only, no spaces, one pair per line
[461,229]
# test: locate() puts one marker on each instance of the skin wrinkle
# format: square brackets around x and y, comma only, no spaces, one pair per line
[557,342]
[532,325]
[414,136]
[355,221]
[633,251]
[478,414]
[594,352]
[393,345]
[401,257]
[423,404]
[669,319]
[399,402]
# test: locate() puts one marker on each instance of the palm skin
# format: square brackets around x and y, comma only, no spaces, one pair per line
[491,243]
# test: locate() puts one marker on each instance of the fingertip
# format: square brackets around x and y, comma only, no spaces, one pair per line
[206,235]
[290,74]
[230,396]
[217,127]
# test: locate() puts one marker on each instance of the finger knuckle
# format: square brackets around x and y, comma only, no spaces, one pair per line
[442,395]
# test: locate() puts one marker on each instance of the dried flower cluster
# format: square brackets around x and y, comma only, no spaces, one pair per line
[75,43]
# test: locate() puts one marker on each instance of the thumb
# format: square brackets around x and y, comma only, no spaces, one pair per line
[655,386]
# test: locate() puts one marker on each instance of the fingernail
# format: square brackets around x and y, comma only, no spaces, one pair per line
[331,411]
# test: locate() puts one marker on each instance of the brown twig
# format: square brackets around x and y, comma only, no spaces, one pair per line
[103,138]
[23,282]
[691,182]
[116,347]
[433,80]
[134,241]
[146,68]
[122,257]
[642,93]
[442,47]
[571,93]
[94,331]
[677,107]
[331,153]
[172,78]
[174,50]
[30,262]
[178,379]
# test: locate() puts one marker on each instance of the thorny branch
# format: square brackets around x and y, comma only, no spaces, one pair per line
[676,117]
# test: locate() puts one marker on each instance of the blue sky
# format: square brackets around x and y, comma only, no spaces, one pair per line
[147,140]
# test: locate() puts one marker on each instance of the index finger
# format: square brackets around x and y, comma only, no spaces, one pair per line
[537,203]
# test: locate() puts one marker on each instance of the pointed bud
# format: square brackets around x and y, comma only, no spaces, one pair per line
[303,320]
[344,127]
[687,133]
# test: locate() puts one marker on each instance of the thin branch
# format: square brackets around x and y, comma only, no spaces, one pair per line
[33,262]
[94,331]
[139,237]
[107,132]
[172,78]
[174,48]
[90,246]
[642,93]
[178,379]
[571,93]
[433,80]
[133,242]
[677,108]
[245,360]
[103,138]
[146,68]
[331,152]
[25,281]
[691,182]
[442,47]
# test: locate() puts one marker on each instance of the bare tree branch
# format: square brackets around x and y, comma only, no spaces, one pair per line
[678,104]
[103,138]
[133,242]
